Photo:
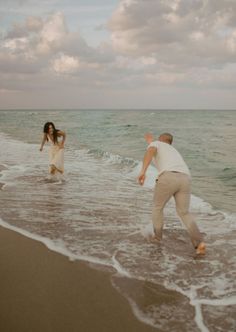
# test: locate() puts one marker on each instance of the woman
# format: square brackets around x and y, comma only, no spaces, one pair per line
[56,153]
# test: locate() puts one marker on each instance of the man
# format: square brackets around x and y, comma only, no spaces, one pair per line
[173,180]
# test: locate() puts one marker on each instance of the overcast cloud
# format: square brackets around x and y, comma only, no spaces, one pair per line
[118,54]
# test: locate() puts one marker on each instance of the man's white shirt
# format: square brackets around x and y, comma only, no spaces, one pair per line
[168,159]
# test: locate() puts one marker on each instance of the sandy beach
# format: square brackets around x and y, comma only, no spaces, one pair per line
[44,291]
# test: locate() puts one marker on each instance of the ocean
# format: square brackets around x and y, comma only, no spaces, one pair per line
[98,212]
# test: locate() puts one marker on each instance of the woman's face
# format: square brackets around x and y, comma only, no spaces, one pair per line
[50,129]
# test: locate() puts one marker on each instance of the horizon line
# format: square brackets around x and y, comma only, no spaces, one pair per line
[117,109]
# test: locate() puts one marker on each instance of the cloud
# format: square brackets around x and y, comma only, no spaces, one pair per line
[35,35]
[40,41]
[52,34]
[65,64]
[153,46]
[18,30]
[41,52]
[40,38]
[182,32]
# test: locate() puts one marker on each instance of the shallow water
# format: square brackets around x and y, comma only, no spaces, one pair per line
[99,213]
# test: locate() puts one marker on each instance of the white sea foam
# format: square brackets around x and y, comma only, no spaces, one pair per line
[119,268]
[147,231]
[198,312]
[197,302]
[197,203]
[56,245]
[151,175]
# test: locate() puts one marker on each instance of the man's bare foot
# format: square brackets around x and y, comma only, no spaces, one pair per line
[201,249]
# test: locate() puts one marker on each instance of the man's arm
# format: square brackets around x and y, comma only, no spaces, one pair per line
[150,153]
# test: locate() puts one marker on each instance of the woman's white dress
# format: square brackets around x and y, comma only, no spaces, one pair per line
[56,156]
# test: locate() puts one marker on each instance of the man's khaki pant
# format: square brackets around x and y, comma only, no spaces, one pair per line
[178,185]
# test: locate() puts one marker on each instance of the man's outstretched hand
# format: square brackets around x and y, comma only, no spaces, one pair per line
[148,138]
[141,178]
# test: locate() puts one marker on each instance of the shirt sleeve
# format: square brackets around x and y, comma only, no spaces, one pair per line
[154,144]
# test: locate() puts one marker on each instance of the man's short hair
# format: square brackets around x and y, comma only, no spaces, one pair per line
[168,137]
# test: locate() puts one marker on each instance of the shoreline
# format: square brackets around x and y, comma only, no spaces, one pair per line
[42,290]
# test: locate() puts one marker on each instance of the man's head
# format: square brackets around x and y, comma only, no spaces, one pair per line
[166,138]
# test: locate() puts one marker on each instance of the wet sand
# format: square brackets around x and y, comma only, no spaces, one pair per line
[44,291]
[2,168]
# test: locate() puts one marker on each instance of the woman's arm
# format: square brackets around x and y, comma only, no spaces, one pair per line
[63,134]
[43,141]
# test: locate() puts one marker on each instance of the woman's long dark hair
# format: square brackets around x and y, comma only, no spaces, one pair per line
[55,131]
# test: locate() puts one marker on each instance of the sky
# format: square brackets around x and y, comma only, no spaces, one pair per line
[117,54]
